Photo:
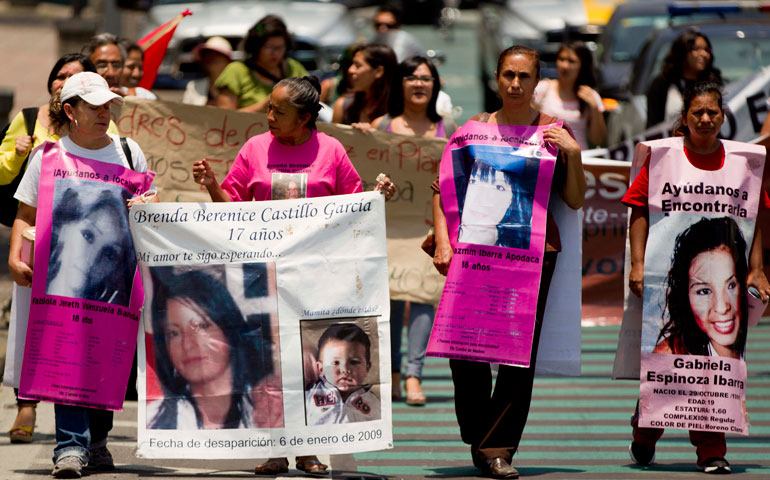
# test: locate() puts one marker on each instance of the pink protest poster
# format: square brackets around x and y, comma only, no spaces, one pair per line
[86,292]
[695,307]
[495,182]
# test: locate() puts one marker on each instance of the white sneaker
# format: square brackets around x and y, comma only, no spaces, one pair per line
[68,467]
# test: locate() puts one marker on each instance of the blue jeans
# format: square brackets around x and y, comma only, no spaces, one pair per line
[78,428]
[418,333]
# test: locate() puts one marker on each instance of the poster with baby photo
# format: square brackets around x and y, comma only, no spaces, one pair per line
[238,295]
[340,366]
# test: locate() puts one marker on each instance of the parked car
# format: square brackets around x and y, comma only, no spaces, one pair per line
[632,23]
[322,29]
[538,24]
[740,48]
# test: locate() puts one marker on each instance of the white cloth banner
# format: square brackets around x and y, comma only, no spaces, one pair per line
[266,328]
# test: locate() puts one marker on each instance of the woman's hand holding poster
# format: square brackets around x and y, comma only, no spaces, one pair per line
[266,328]
[87,299]
[495,183]
[695,320]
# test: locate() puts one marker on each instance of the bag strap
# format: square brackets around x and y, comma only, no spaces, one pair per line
[384,123]
[127,151]
[30,118]
[450,126]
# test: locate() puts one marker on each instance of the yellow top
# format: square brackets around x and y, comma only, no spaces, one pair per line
[10,163]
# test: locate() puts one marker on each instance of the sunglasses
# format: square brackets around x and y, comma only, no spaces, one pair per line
[389,26]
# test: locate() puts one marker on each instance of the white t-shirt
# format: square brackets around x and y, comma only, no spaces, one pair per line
[196,92]
[324,405]
[547,100]
[112,153]
[140,92]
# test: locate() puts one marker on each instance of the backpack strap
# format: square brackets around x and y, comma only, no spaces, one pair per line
[30,118]
[450,126]
[127,151]
[384,123]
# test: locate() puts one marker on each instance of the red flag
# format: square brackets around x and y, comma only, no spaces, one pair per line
[154,45]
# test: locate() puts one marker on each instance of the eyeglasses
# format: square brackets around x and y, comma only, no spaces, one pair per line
[102,66]
[271,48]
[414,78]
[387,26]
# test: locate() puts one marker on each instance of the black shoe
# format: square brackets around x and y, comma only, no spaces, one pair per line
[642,456]
[498,467]
[716,466]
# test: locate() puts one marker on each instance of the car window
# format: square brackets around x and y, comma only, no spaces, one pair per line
[739,57]
[631,33]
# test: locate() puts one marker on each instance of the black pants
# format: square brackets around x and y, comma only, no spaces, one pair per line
[492,422]
[21,402]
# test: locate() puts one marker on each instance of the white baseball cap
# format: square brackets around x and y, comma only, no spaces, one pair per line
[91,87]
[215,44]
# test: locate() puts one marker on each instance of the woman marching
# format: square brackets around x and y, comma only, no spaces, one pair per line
[690,59]
[412,111]
[572,98]
[705,309]
[490,421]
[246,85]
[83,110]
[291,147]
[14,151]
[371,76]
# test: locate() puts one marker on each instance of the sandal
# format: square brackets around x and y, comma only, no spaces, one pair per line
[414,395]
[273,467]
[312,465]
[23,432]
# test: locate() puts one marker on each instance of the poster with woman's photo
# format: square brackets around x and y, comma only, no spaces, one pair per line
[86,291]
[91,253]
[495,183]
[265,328]
[212,358]
[695,301]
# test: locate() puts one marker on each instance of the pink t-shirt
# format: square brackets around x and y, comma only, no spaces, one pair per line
[268,170]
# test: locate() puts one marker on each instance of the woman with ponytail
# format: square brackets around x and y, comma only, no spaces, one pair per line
[291,151]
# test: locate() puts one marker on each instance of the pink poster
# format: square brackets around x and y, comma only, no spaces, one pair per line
[695,313]
[495,182]
[86,293]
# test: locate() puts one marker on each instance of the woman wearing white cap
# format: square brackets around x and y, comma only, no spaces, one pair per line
[212,57]
[84,107]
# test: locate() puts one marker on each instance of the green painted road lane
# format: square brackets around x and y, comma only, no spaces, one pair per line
[578,427]
[615,453]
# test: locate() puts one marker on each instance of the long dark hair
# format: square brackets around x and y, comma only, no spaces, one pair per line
[586,75]
[705,235]
[673,65]
[406,68]
[375,55]
[110,277]
[88,66]
[690,93]
[249,355]
[267,27]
